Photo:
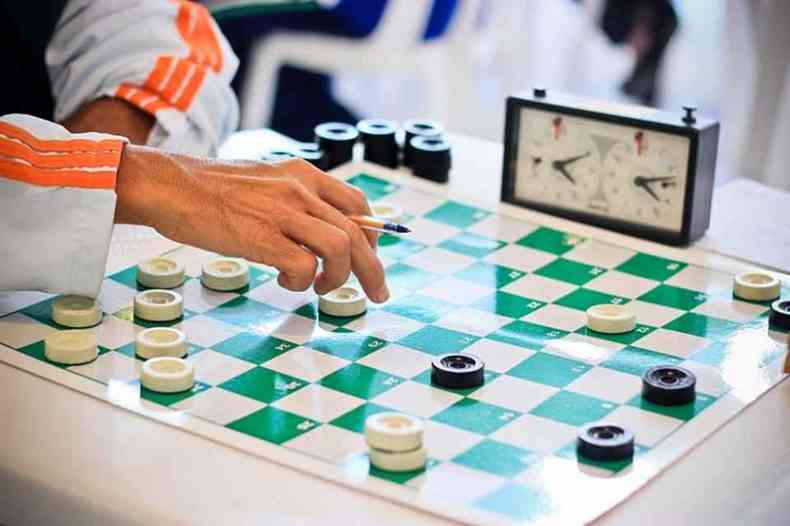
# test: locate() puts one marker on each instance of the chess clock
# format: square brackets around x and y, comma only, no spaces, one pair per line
[636,170]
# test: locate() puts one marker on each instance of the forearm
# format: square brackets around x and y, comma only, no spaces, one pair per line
[113,116]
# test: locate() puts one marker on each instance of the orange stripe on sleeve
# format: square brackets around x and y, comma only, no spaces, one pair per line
[104,180]
[194,24]
[16,150]
[53,145]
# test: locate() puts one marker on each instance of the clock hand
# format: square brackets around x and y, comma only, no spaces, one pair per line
[642,182]
[649,180]
[565,173]
[559,165]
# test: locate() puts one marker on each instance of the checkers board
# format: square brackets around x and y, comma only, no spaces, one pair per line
[282,381]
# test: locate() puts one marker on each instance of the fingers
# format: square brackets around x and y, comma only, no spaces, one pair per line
[364,262]
[327,241]
[297,266]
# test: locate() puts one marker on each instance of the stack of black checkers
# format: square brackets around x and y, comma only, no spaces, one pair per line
[779,318]
[378,137]
[457,371]
[336,140]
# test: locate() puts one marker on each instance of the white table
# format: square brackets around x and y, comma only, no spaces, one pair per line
[67,458]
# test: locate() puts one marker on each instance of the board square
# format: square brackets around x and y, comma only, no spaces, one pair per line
[457,214]
[306,364]
[18,330]
[673,342]
[326,321]
[570,271]
[398,360]
[525,334]
[651,267]
[513,393]
[218,406]
[407,277]
[168,399]
[510,305]
[346,344]
[539,288]
[498,458]
[548,369]
[198,298]
[354,420]
[508,229]
[456,482]
[385,325]
[550,240]
[494,276]
[42,312]
[598,254]
[653,314]
[214,368]
[520,258]
[558,317]
[520,502]
[472,321]
[439,260]
[682,412]
[703,326]
[438,340]
[627,338]
[273,425]
[635,360]
[254,347]
[109,366]
[244,312]
[476,417]
[536,433]
[114,296]
[621,284]
[331,443]
[703,279]
[456,291]
[397,248]
[429,232]
[14,301]
[373,187]
[361,381]
[573,408]
[207,332]
[607,384]
[582,299]
[127,277]
[425,309]
[472,245]
[498,356]
[263,385]
[648,427]
[417,399]
[675,297]
[318,403]
[583,348]
[272,294]
[732,310]
[445,442]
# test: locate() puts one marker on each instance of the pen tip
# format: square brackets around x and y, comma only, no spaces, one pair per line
[403,230]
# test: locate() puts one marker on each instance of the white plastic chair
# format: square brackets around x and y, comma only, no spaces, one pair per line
[396,45]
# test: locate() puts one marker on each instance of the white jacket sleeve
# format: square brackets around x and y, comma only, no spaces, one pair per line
[167,58]
[57,197]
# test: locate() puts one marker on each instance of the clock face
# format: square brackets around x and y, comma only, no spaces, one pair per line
[610,170]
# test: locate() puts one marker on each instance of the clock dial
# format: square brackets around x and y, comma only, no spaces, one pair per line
[643,186]
[561,161]
[600,168]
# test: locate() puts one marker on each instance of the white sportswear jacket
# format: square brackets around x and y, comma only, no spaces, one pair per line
[57,189]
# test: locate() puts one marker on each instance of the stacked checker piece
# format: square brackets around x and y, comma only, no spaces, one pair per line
[423,149]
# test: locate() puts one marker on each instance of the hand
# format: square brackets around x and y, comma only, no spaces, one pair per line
[285,215]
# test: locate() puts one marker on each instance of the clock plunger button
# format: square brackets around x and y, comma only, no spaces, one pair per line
[539,93]
[689,117]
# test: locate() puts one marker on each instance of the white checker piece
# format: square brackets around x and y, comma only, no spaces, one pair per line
[213,368]
[319,403]
[219,406]
[514,393]
[305,363]
[328,442]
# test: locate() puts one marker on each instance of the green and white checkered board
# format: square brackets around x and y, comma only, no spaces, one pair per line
[281,380]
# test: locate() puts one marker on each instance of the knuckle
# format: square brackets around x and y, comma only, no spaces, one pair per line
[339,244]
